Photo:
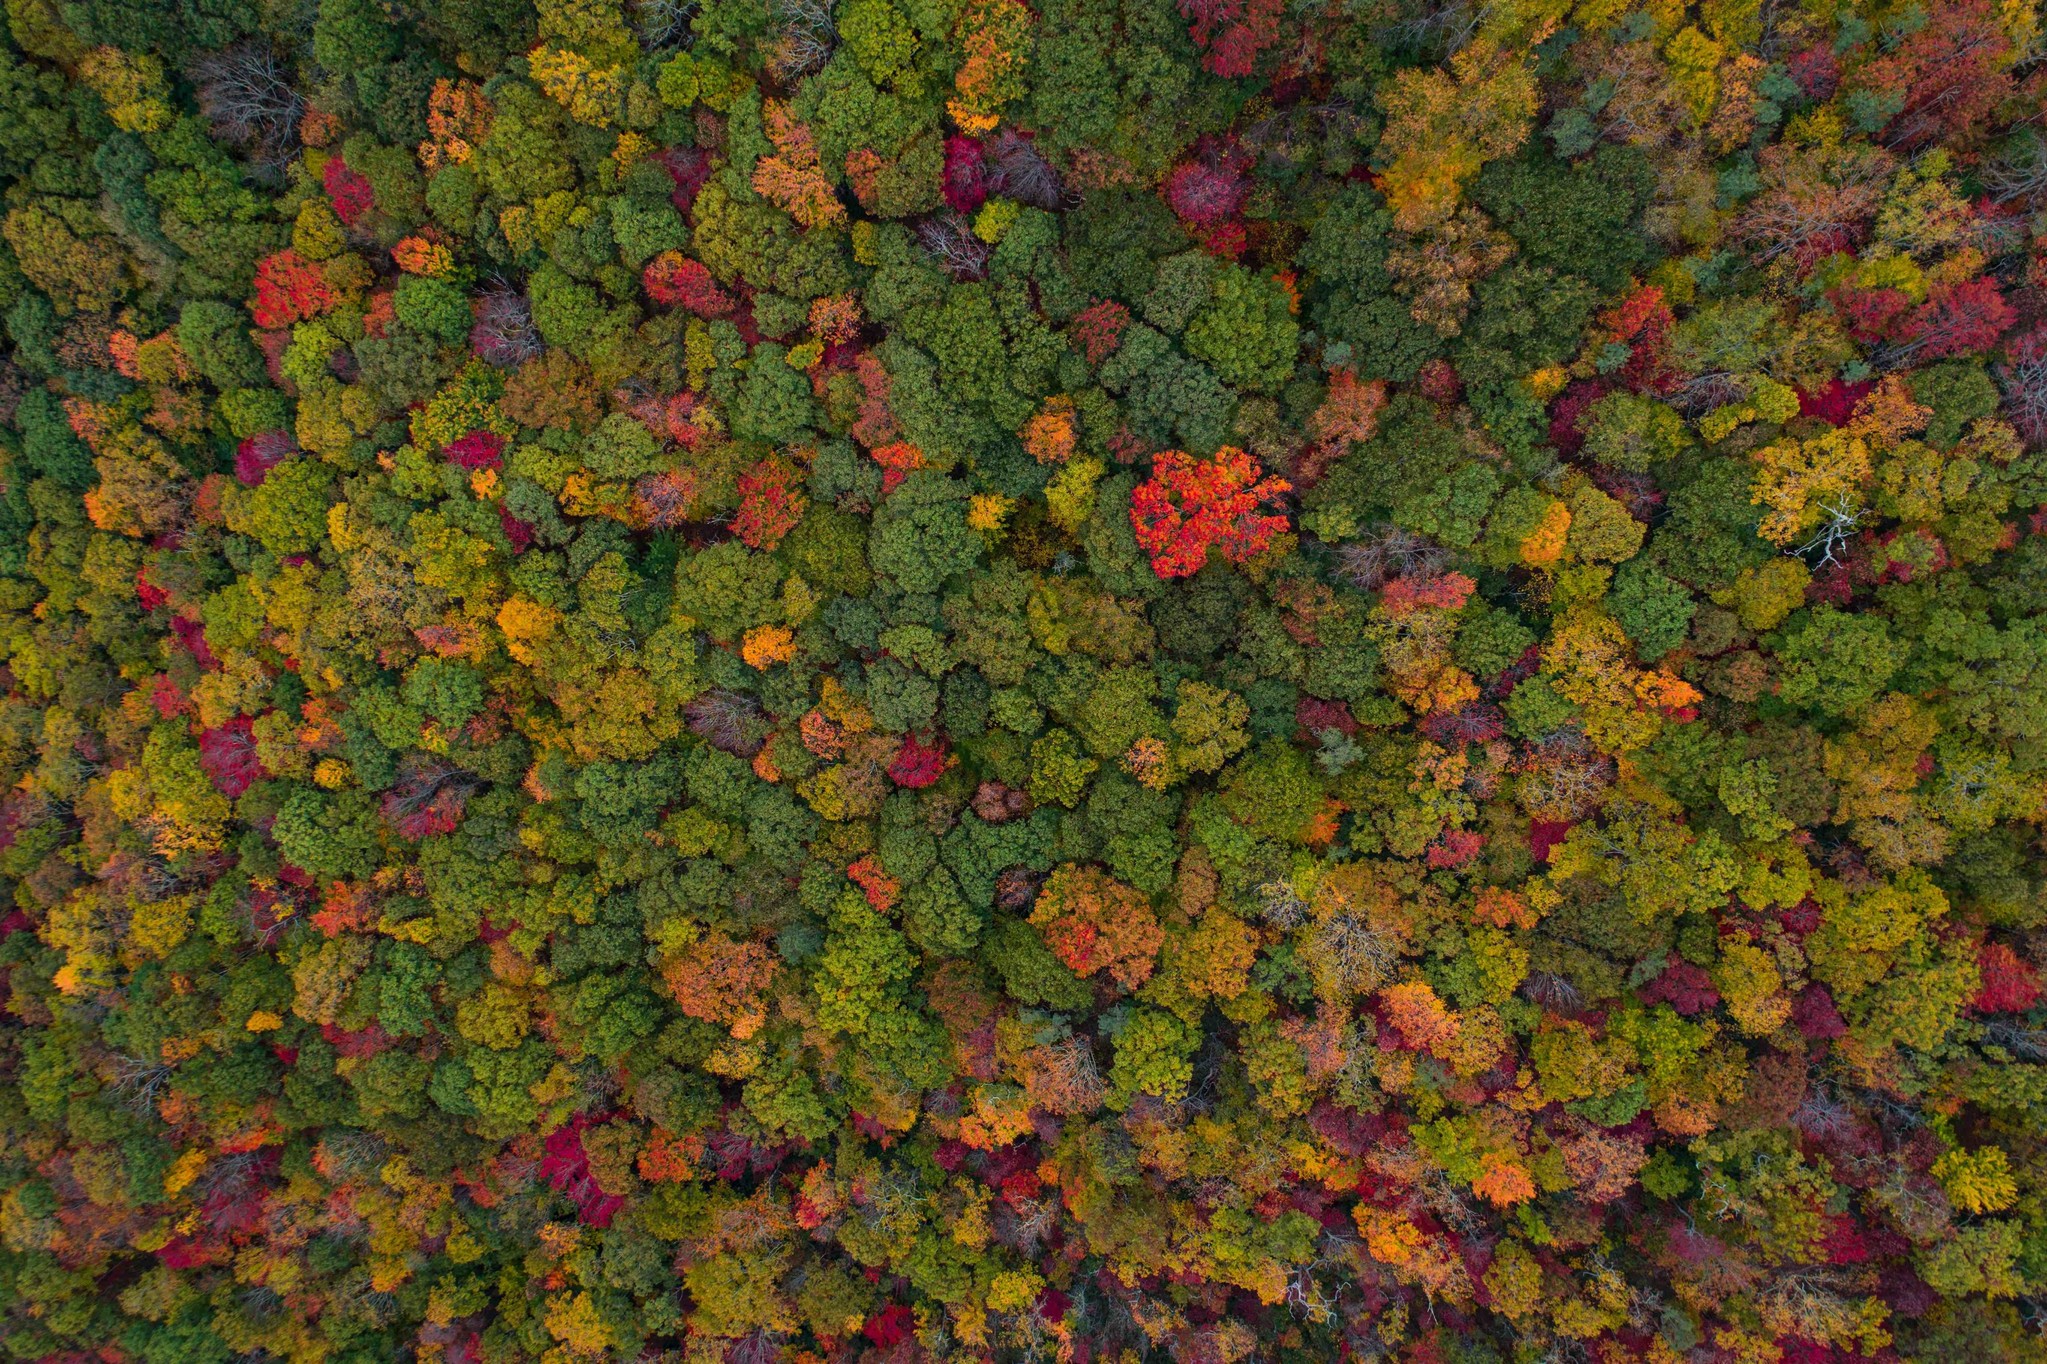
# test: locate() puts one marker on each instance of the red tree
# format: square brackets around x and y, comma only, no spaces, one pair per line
[769,504]
[289,288]
[672,278]
[966,177]
[1951,75]
[2009,985]
[1232,33]
[477,450]
[917,764]
[1868,313]
[1203,195]
[260,453]
[1098,329]
[1189,506]
[1958,319]
[2024,376]
[350,192]
[566,1166]
[228,756]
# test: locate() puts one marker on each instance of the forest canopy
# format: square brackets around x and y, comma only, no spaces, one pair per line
[1092,681]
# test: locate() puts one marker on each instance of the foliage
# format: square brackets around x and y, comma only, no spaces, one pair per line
[1175,679]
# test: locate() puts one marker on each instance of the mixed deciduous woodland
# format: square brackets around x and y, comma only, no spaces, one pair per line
[1089,681]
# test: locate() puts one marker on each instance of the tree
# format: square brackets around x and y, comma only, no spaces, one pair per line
[1209,725]
[214,337]
[920,537]
[673,278]
[792,177]
[287,512]
[1581,218]
[769,506]
[1960,319]
[1092,922]
[1154,1056]
[62,252]
[722,981]
[1189,506]
[1837,663]
[350,36]
[863,969]
[1944,84]
[1442,127]
[434,308]
[1632,434]
[289,289]
[994,38]
[1246,331]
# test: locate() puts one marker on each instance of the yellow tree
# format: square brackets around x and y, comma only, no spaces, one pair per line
[1441,127]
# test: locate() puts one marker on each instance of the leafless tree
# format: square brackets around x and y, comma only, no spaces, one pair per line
[1823,1114]
[1071,1078]
[260,1303]
[353,1151]
[805,37]
[2024,379]
[664,23]
[13,388]
[1280,905]
[2028,1044]
[1840,520]
[756,1347]
[1350,951]
[727,720]
[1813,202]
[248,97]
[429,790]
[1388,552]
[1436,26]
[2019,171]
[954,246]
[504,334]
[1017,171]
[1564,777]
[1552,992]
[1307,1296]
[1703,392]
[138,1081]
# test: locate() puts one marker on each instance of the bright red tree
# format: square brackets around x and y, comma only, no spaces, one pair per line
[1960,319]
[672,278]
[289,288]
[770,504]
[1189,506]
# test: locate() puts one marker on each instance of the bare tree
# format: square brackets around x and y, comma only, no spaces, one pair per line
[1840,520]
[1280,905]
[2024,379]
[1814,202]
[1433,26]
[1017,171]
[805,38]
[2019,171]
[138,1081]
[664,23]
[1552,991]
[247,96]
[504,334]
[761,1346]
[1388,552]
[954,246]
[727,720]
[1353,955]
